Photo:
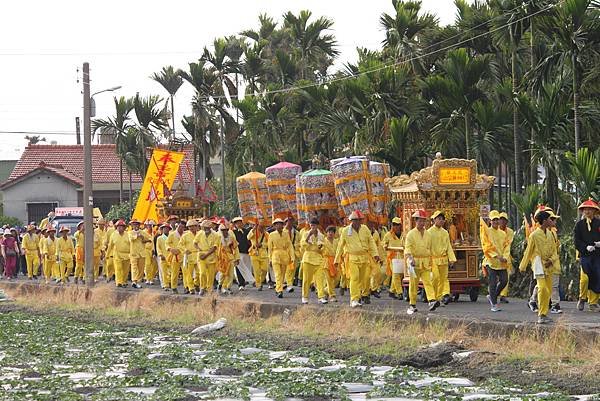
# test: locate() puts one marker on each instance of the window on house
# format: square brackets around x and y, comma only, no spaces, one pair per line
[38,211]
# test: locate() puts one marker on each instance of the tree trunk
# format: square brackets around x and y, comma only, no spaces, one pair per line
[120,180]
[576,102]
[533,177]
[468,134]
[172,119]
[516,141]
[130,195]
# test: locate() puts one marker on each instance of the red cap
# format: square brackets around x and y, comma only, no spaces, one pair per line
[121,223]
[421,214]
[589,204]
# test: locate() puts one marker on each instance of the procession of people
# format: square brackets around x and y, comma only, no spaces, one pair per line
[200,256]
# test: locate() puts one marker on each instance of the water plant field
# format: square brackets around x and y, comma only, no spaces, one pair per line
[57,357]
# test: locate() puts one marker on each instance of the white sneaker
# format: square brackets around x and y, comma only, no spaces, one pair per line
[323,301]
[304,301]
[290,289]
[355,304]
[411,310]
[333,299]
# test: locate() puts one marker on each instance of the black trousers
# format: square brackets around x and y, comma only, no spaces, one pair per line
[498,280]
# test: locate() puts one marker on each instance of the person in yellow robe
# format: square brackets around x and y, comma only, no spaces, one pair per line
[65,251]
[442,257]
[42,232]
[109,266]
[281,254]
[227,256]
[190,256]
[207,242]
[293,270]
[150,267]
[175,257]
[49,253]
[161,257]
[138,239]
[510,235]
[259,255]
[374,279]
[496,254]
[417,252]
[30,245]
[357,243]
[541,254]
[311,245]
[119,246]
[79,237]
[99,252]
[331,274]
[393,245]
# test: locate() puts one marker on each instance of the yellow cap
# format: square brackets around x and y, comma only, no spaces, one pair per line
[436,214]
[503,215]
[396,220]
[494,215]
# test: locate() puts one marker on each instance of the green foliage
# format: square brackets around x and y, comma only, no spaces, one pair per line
[11,221]
[124,209]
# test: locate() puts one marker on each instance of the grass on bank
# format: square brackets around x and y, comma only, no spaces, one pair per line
[341,330]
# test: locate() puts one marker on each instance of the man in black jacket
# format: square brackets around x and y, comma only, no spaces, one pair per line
[587,242]
[243,270]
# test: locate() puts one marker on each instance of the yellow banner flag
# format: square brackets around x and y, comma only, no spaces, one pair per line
[160,176]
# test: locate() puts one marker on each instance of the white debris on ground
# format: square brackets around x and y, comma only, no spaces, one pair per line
[207,328]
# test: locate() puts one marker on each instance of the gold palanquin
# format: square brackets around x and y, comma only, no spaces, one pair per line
[454,187]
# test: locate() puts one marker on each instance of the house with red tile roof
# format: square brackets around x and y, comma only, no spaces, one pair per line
[49,176]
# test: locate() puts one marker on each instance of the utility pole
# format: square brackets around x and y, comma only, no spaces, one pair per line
[88,200]
[77,131]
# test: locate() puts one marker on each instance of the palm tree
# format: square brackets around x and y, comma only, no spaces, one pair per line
[117,127]
[403,31]
[457,87]
[573,27]
[150,116]
[171,81]
[585,170]
[315,49]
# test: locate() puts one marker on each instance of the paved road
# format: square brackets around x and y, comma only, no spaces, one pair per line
[515,312]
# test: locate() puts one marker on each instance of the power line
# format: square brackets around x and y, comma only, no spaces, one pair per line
[394,64]
[39,132]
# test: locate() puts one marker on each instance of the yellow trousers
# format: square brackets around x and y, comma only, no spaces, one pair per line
[188,271]
[137,268]
[260,267]
[439,282]
[312,272]
[329,281]
[365,282]
[49,266]
[290,274]
[359,275]
[396,283]
[227,278]
[79,269]
[56,271]
[583,284]
[377,276]
[175,268]
[150,267]
[33,263]
[96,266]
[165,269]
[280,270]
[544,292]
[425,276]
[65,268]
[122,267]
[109,267]
[208,271]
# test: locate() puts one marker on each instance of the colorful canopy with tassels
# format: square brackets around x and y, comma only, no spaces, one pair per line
[253,198]
[281,184]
